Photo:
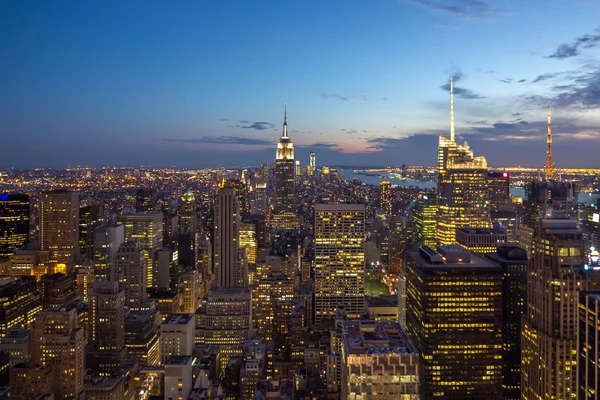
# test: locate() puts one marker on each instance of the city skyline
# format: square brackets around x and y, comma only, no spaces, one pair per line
[366,83]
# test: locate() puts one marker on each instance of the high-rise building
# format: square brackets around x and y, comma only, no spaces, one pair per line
[513,261]
[454,317]
[481,240]
[14,222]
[463,194]
[549,200]
[20,302]
[189,290]
[285,185]
[313,163]
[142,329]
[178,377]
[379,361]
[276,287]
[229,267]
[107,240]
[248,241]
[339,260]
[31,382]
[147,230]
[423,216]
[84,280]
[177,334]
[57,342]
[188,213]
[588,376]
[259,205]
[144,200]
[59,227]
[385,202]
[298,168]
[90,217]
[107,352]
[58,289]
[16,344]
[556,274]
[131,273]
[499,188]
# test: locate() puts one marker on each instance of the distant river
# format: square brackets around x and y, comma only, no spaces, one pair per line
[374,178]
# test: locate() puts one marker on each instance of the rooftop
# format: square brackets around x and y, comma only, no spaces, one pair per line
[481,231]
[179,319]
[179,360]
[376,337]
[473,261]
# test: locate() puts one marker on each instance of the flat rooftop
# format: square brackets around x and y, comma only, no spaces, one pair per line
[376,337]
[475,261]
[481,231]
[178,319]
[179,360]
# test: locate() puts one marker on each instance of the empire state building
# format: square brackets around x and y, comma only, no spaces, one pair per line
[284,173]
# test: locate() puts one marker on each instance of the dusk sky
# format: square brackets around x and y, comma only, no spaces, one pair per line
[201,83]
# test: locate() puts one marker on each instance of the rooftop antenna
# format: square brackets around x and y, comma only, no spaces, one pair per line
[451,109]
[549,167]
[285,120]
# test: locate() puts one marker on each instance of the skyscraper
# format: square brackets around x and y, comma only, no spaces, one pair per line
[144,200]
[423,215]
[188,239]
[59,226]
[107,353]
[147,229]
[454,316]
[107,239]
[90,217]
[385,187]
[339,260]
[285,185]
[229,268]
[259,206]
[131,273]
[588,376]
[499,187]
[20,302]
[14,222]
[463,194]
[249,241]
[313,163]
[556,273]
[513,261]
[57,341]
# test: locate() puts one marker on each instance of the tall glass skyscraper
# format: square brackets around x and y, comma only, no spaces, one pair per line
[285,185]
[14,222]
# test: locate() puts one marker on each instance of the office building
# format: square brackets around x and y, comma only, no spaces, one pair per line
[589,222]
[423,216]
[107,239]
[312,168]
[556,274]
[549,200]
[20,302]
[499,187]
[165,263]
[378,361]
[481,240]
[188,246]
[178,377]
[513,261]
[57,341]
[147,229]
[58,290]
[229,267]
[249,242]
[259,205]
[142,329]
[276,287]
[90,217]
[339,260]
[131,273]
[107,351]
[508,222]
[14,223]
[189,289]
[454,317]
[177,334]
[144,200]
[285,183]
[588,375]
[84,280]
[31,382]
[16,344]
[59,227]
[385,199]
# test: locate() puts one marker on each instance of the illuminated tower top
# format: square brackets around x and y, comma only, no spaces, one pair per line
[285,147]
[549,167]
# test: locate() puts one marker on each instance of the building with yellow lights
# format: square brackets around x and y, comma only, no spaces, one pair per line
[557,272]
[454,317]
[59,226]
[463,194]
[249,242]
[481,240]
[378,361]
[14,222]
[265,295]
[20,302]
[385,200]
[588,377]
[339,260]
[424,221]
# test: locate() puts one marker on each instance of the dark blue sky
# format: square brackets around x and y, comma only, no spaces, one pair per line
[198,83]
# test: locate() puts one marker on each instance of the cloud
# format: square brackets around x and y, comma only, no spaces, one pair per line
[545,77]
[463,8]
[462,92]
[224,140]
[518,114]
[350,131]
[334,96]
[568,50]
[509,80]
[259,126]
[582,92]
[522,80]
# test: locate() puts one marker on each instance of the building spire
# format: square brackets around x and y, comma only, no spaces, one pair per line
[285,134]
[549,167]
[451,109]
